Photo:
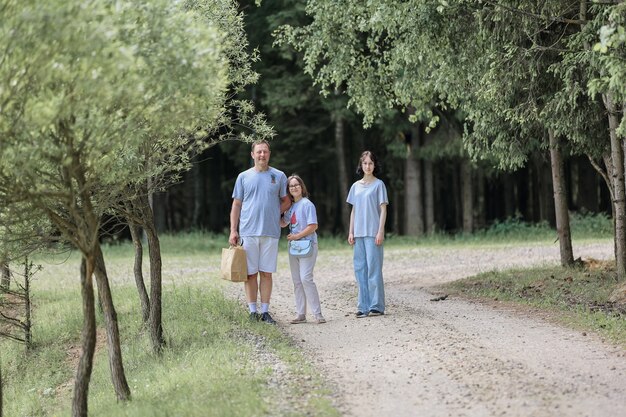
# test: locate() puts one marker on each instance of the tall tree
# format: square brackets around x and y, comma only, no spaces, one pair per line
[500,62]
[84,91]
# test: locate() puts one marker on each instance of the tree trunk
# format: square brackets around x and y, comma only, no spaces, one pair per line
[467,196]
[396,227]
[544,190]
[154,248]
[588,197]
[429,197]
[28,339]
[88,341]
[480,218]
[509,182]
[455,198]
[156,327]
[560,201]
[198,194]
[531,211]
[5,276]
[342,170]
[1,398]
[116,365]
[619,191]
[413,212]
[135,233]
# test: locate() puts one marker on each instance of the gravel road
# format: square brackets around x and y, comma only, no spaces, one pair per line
[452,357]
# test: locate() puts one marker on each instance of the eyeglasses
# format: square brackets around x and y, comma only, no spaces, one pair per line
[294,185]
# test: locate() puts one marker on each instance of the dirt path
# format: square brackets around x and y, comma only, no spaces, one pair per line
[453,357]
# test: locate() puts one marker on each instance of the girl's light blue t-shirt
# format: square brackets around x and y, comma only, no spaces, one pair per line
[300,215]
[366,200]
[260,194]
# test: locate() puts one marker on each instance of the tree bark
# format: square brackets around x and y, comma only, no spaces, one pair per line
[531,211]
[5,278]
[198,194]
[342,170]
[588,197]
[140,213]
[467,196]
[154,251]
[544,190]
[510,203]
[560,201]
[116,366]
[28,339]
[156,326]
[1,398]
[455,198]
[135,233]
[88,341]
[414,214]
[619,189]
[480,218]
[429,197]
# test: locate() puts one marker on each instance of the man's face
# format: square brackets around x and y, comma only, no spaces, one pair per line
[261,155]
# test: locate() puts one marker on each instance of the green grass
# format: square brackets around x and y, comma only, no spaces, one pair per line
[210,367]
[583,227]
[576,297]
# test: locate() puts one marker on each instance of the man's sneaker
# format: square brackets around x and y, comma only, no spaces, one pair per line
[360,315]
[320,319]
[254,316]
[267,318]
[376,313]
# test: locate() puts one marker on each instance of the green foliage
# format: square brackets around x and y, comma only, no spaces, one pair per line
[114,74]
[583,226]
[239,116]
[612,53]
[102,101]
[515,69]
[89,90]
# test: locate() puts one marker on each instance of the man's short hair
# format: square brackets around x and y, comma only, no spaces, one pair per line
[260,142]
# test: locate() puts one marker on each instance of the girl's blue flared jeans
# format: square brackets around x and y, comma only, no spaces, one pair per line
[368,269]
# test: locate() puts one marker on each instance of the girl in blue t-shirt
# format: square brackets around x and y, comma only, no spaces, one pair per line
[301,217]
[369,201]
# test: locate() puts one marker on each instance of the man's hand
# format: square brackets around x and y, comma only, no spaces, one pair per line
[234,238]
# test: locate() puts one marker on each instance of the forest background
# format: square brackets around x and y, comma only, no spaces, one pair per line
[434,186]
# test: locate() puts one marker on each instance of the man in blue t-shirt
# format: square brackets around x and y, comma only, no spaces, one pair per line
[259,199]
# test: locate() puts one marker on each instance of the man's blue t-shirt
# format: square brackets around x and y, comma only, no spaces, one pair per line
[260,193]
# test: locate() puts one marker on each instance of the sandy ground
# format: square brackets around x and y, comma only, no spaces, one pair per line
[452,357]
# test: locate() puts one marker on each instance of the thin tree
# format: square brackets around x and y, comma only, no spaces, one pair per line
[5,275]
[1,396]
[88,341]
[560,201]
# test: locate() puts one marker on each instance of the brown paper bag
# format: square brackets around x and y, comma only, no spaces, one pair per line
[234,264]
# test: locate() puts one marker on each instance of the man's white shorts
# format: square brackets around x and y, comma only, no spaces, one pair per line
[261,253]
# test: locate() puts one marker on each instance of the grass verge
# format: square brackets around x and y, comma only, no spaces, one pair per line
[576,297]
[216,362]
